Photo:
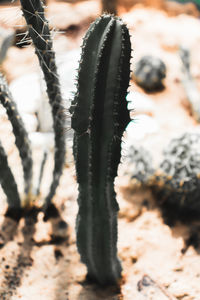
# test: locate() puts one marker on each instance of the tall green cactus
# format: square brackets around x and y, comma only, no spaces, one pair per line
[99,117]
[21,136]
[38,27]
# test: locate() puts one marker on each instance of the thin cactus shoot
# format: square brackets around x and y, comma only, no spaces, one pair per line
[39,31]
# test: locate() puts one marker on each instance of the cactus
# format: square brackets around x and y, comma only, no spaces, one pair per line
[177,183]
[8,183]
[139,165]
[33,11]
[99,117]
[21,136]
[150,72]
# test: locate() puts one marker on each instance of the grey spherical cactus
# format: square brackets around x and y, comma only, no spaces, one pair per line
[178,182]
[149,73]
[139,165]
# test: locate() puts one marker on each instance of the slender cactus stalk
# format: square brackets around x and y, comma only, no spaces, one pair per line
[99,117]
[21,136]
[8,182]
[38,27]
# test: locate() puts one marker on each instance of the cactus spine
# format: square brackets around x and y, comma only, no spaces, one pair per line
[21,137]
[99,117]
[38,27]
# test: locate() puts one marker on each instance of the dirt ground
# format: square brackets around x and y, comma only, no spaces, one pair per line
[39,260]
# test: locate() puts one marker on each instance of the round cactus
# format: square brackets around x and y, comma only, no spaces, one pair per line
[139,165]
[149,73]
[178,181]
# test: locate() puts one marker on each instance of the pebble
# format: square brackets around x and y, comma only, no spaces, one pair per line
[26,92]
[42,140]
[30,121]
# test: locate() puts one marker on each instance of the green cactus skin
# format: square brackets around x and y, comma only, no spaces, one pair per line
[38,27]
[21,136]
[8,182]
[99,117]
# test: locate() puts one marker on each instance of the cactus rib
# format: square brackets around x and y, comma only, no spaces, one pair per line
[38,27]
[21,137]
[8,181]
[99,117]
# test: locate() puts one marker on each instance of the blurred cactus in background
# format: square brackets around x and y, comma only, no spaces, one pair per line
[177,184]
[190,84]
[149,73]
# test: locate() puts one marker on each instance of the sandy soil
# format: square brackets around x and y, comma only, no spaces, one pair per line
[160,261]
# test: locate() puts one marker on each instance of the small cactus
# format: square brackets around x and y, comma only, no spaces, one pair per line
[139,165]
[8,183]
[38,27]
[150,72]
[178,182]
[99,118]
[21,136]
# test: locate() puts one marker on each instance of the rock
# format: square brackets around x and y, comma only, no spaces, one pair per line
[30,122]
[139,165]
[178,182]
[26,92]
[140,103]
[42,140]
[150,72]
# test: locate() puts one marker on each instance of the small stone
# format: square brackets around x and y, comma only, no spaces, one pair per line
[42,140]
